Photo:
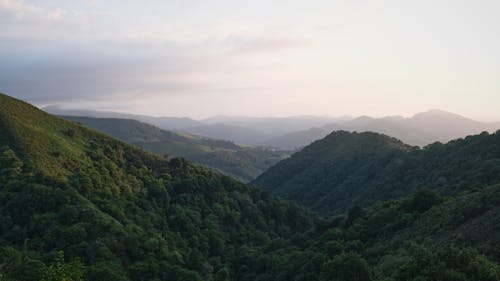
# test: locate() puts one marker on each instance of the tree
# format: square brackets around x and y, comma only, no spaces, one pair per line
[10,165]
[346,267]
[421,201]
[63,271]
[353,214]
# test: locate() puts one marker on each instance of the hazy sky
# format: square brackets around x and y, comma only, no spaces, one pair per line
[266,58]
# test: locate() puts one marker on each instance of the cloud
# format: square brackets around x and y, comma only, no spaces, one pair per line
[21,19]
[47,72]
[264,44]
[55,55]
[18,19]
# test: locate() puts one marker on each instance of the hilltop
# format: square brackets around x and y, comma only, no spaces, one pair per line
[346,169]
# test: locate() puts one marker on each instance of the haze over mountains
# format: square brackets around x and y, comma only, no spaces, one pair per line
[291,133]
[421,129]
[243,130]
[168,123]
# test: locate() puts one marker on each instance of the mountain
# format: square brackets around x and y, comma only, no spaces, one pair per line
[297,140]
[254,131]
[122,212]
[271,127]
[242,162]
[421,129]
[76,204]
[345,169]
[166,123]
[232,133]
[447,126]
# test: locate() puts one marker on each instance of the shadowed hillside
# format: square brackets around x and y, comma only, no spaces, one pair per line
[348,169]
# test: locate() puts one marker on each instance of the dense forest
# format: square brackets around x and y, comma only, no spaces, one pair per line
[242,162]
[345,170]
[76,204]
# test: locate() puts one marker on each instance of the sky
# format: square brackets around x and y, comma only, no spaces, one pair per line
[255,58]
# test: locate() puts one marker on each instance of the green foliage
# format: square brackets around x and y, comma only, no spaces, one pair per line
[242,162]
[62,271]
[346,169]
[446,264]
[10,164]
[346,267]
[125,213]
[421,201]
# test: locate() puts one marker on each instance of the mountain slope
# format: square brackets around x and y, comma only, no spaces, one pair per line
[166,123]
[242,162]
[421,129]
[233,133]
[347,169]
[119,213]
[272,127]
[128,214]
[245,130]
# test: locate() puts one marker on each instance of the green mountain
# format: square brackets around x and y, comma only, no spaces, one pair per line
[346,169]
[127,214]
[242,162]
[76,204]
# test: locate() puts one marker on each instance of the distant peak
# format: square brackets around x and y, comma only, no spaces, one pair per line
[51,107]
[363,118]
[437,113]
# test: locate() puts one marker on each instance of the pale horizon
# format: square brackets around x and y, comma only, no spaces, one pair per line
[312,115]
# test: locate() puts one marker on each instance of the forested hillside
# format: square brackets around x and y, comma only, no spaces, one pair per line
[242,162]
[126,214]
[78,205]
[346,169]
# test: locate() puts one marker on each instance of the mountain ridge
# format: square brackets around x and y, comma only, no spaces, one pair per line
[242,162]
[421,129]
[346,169]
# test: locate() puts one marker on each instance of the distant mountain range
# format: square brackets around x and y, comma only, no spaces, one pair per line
[167,123]
[421,129]
[292,133]
[243,130]
[269,127]
[242,162]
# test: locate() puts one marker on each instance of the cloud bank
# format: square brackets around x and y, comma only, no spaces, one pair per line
[231,57]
